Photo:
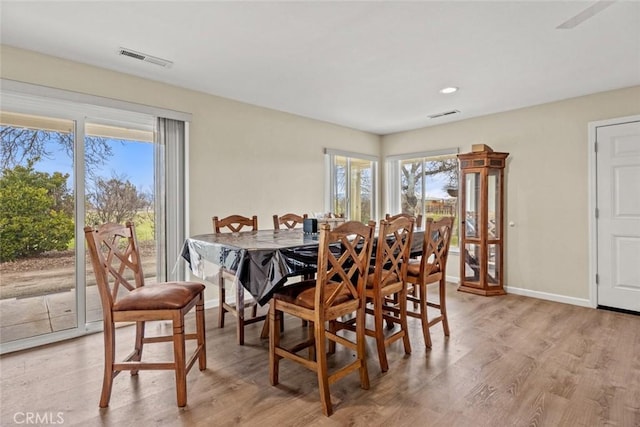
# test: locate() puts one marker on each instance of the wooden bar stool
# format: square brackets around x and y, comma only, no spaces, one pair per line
[431,268]
[125,298]
[289,220]
[336,292]
[234,224]
[418,218]
[386,290]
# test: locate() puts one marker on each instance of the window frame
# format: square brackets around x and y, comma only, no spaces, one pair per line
[330,179]
[393,179]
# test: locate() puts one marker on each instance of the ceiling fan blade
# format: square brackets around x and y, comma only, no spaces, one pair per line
[585,14]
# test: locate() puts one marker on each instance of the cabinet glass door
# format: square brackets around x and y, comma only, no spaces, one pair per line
[493,199]
[472,204]
[493,263]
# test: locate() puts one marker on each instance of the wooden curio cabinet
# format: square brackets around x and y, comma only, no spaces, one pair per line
[482,221]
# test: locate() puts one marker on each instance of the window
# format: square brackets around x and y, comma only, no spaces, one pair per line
[64,165]
[351,185]
[424,183]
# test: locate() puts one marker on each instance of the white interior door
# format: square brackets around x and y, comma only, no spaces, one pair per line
[618,215]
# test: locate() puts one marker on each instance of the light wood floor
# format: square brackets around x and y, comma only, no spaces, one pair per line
[510,361]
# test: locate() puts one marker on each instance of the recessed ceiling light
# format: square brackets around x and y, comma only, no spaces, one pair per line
[450,89]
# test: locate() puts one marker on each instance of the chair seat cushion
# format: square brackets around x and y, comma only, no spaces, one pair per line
[388,277]
[413,268]
[162,296]
[290,292]
[303,293]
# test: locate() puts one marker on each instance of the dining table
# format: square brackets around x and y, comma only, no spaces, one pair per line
[263,260]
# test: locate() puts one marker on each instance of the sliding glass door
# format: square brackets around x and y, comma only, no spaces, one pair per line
[63,169]
[37,226]
[120,185]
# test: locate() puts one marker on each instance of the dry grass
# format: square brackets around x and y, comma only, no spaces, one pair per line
[54,272]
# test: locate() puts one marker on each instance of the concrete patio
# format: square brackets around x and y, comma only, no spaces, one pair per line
[27,317]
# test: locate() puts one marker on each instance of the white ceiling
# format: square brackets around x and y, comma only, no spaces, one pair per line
[374,66]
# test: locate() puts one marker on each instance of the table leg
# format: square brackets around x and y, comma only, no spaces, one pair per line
[240,311]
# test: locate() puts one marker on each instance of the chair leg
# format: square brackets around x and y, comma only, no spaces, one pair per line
[265,329]
[311,335]
[413,293]
[333,327]
[322,368]
[403,320]
[361,348]
[379,333]
[274,342]
[422,291]
[179,359]
[200,331]
[109,354]
[265,326]
[443,306]
[221,300]
[138,345]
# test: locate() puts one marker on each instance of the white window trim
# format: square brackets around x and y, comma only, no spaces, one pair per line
[51,94]
[434,153]
[330,155]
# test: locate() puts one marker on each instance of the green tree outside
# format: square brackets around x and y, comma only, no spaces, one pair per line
[36,212]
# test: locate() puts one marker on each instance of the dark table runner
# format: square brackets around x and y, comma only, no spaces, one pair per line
[263,260]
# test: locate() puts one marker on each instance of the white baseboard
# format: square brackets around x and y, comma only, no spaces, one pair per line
[549,297]
[212,303]
[540,295]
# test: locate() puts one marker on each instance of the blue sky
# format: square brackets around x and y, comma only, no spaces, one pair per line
[133,160]
[435,186]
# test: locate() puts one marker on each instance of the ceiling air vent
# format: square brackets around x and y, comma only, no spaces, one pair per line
[144,57]
[446,113]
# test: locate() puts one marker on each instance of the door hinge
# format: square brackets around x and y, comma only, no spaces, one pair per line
[595,146]
[597,213]
[597,279]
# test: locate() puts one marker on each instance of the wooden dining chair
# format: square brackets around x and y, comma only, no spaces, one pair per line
[386,290]
[117,266]
[431,268]
[418,218]
[288,220]
[234,224]
[343,262]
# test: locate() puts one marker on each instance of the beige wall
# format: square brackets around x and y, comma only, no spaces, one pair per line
[251,160]
[243,159]
[547,184]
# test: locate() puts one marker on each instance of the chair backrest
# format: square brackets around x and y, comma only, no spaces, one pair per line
[234,223]
[435,248]
[344,254]
[418,218]
[393,250]
[115,257]
[289,220]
